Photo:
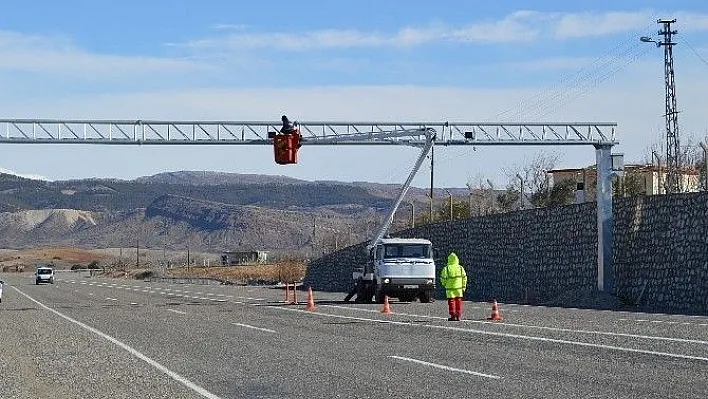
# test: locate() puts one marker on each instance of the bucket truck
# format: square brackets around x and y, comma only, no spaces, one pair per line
[400,268]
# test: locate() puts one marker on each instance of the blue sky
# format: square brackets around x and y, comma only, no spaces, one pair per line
[344,60]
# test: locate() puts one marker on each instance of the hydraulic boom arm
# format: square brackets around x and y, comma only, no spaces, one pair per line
[429,142]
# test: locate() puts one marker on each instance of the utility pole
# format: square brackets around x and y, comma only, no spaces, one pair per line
[521,191]
[137,253]
[314,232]
[658,174]
[432,174]
[673,146]
[412,214]
[705,166]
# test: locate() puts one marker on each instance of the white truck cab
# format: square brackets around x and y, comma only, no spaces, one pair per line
[400,268]
[44,274]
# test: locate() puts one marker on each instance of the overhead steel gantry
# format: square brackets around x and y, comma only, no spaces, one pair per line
[146,132]
[155,132]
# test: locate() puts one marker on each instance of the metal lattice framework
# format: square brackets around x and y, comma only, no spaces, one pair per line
[673,144]
[139,132]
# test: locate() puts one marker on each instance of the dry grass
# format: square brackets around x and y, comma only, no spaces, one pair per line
[69,255]
[61,256]
[287,271]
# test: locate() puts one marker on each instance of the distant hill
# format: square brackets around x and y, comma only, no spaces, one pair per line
[17,193]
[207,178]
[206,210]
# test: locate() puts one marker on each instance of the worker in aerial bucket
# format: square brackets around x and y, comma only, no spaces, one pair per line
[288,127]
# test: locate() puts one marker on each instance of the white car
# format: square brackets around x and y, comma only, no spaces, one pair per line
[44,274]
[1,284]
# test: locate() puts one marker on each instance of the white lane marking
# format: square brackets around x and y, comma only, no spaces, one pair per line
[682,323]
[448,368]
[111,299]
[499,334]
[253,327]
[176,311]
[184,381]
[133,303]
[531,326]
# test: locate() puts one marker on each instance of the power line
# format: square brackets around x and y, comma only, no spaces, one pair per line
[597,80]
[695,52]
[590,72]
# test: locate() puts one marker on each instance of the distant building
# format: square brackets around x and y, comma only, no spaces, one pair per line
[644,179]
[243,257]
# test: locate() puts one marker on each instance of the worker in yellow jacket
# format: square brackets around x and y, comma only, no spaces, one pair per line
[454,279]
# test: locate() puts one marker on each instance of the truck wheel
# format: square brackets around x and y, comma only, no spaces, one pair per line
[425,297]
[379,296]
[361,293]
[407,298]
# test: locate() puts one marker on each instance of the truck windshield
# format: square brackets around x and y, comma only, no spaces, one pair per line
[407,251]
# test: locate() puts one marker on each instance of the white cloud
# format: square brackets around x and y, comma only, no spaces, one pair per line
[59,55]
[517,27]
[230,26]
[549,64]
[690,22]
[591,24]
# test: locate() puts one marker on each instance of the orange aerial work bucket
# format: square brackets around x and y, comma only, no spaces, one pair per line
[286,147]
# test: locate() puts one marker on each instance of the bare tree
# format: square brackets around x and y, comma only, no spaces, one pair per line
[532,179]
[482,200]
[690,155]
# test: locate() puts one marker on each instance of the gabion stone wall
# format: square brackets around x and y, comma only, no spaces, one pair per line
[660,253]
[529,255]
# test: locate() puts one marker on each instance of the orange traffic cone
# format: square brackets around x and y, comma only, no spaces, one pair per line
[386,308]
[310,300]
[496,316]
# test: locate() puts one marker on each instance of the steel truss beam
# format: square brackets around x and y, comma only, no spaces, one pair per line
[138,132]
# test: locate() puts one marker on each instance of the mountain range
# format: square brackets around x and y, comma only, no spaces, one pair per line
[210,211]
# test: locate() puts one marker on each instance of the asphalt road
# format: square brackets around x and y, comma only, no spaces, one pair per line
[99,338]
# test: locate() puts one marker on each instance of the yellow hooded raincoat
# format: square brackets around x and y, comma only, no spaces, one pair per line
[453,277]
